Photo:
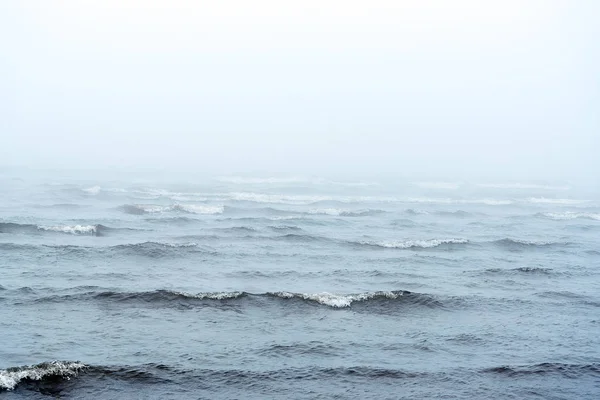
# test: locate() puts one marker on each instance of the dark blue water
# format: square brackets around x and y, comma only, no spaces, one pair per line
[297,288]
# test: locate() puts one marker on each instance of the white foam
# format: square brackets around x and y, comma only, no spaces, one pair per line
[543,200]
[569,215]
[330,211]
[199,209]
[94,190]
[215,295]
[335,300]
[10,378]
[425,244]
[150,208]
[189,208]
[72,229]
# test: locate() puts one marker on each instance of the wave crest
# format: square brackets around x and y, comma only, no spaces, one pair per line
[570,215]
[93,230]
[416,244]
[140,209]
[11,377]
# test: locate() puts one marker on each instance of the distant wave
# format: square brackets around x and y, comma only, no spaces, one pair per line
[95,190]
[140,209]
[438,185]
[520,270]
[91,230]
[543,200]
[415,244]
[11,377]
[144,249]
[521,186]
[239,180]
[280,228]
[569,215]
[156,249]
[522,244]
[344,212]
[457,213]
[429,200]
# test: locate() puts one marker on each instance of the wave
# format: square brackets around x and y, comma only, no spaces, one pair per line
[457,213]
[337,212]
[566,370]
[140,209]
[239,180]
[523,244]
[521,186]
[343,301]
[52,374]
[217,299]
[570,215]
[90,230]
[521,270]
[11,377]
[280,228]
[94,190]
[543,200]
[415,244]
[489,202]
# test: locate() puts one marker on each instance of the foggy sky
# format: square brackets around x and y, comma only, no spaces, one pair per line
[426,88]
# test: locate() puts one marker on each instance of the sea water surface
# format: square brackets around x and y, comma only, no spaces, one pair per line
[297,288]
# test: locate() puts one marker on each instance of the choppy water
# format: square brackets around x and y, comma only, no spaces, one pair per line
[275,288]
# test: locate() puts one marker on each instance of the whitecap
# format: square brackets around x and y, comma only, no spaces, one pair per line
[72,229]
[335,300]
[94,190]
[424,244]
[10,378]
[543,200]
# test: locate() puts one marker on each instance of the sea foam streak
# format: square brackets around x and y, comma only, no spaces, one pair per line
[10,378]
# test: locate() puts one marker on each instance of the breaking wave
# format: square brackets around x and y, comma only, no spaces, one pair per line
[91,230]
[570,215]
[416,244]
[11,377]
[337,212]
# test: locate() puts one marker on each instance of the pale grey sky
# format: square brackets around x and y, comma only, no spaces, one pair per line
[463,88]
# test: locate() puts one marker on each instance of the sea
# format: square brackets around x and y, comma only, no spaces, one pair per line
[237,287]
